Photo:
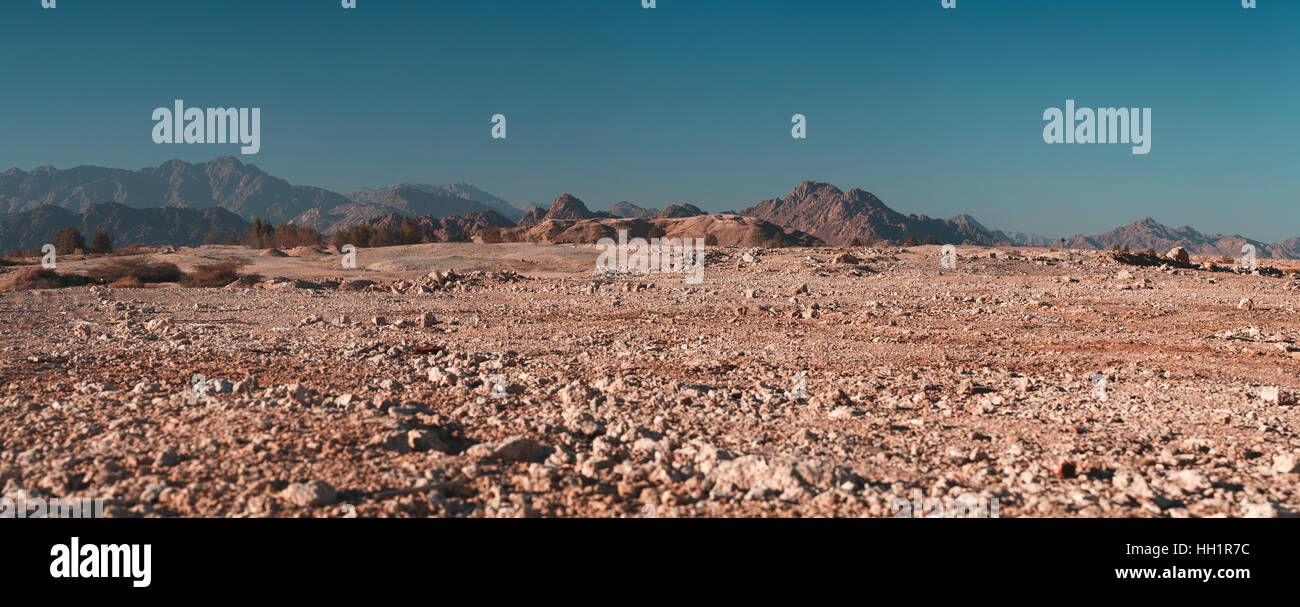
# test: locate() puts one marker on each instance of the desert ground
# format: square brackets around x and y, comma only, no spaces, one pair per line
[508,380]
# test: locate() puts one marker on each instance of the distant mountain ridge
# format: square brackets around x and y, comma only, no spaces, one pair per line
[840,217]
[458,190]
[1019,239]
[243,190]
[1147,233]
[224,182]
[125,225]
[566,206]
[628,210]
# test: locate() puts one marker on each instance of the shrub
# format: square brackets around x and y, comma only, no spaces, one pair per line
[68,240]
[100,242]
[496,236]
[126,282]
[911,241]
[35,277]
[217,274]
[138,268]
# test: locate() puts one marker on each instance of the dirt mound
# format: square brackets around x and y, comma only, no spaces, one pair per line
[272,253]
[315,251]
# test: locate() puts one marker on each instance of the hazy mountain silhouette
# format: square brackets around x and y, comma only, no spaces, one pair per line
[125,225]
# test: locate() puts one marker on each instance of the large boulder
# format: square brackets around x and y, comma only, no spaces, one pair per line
[1179,255]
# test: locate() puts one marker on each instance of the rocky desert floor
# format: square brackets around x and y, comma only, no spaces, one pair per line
[477,380]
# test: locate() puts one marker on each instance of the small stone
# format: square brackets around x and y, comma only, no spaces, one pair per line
[379,321]
[311,493]
[1286,463]
[1274,395]
[1260,510]
[515,449]
[799,289]
[1064,469]
[166,459]
[1245,304]
[1190,480]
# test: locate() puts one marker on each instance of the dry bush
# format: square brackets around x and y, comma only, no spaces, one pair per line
[126,282]
[34,277]
[141,269]
[217,274]
[500,235]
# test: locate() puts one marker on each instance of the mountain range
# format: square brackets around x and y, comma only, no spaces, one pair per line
[225,182]
[568,220]
[840,218]
[126,225]
[180,203]
[1147,233]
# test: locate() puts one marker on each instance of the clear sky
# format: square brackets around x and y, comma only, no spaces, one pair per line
[936,111]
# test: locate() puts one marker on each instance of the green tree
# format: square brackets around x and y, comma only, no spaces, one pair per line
[68,240]
[100,242]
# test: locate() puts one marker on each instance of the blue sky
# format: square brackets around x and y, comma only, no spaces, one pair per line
[935,111]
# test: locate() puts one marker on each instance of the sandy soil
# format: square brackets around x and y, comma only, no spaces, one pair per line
[646,396]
